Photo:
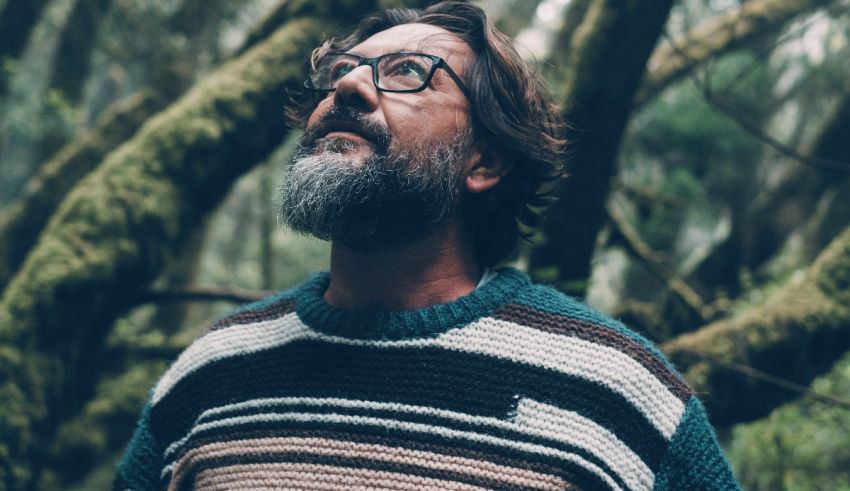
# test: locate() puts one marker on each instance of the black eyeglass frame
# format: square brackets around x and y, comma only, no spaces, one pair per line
[373,62]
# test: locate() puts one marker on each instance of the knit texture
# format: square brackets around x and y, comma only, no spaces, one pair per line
[514,386]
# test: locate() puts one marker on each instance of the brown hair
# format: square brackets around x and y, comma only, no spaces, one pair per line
[511,111]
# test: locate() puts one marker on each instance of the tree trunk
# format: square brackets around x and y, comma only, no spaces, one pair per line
[113,233]
[25,218]
[559,67]
[17,19]
[724,32]
[790,205]
[608,57]
[796,334]
[75,47]
[102,427]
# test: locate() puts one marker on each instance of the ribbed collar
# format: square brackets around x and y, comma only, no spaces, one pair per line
[394,325]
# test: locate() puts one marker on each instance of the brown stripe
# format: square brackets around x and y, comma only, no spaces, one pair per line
[595,333]
[498,459]
[474,471]
[315,477]
[269,312]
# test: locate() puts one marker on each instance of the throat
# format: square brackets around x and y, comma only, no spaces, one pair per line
[433,271]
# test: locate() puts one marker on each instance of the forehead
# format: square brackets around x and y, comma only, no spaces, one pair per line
[423,38]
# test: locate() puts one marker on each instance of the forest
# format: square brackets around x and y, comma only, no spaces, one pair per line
[143,143]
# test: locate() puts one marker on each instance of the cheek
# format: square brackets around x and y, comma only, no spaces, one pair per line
[321,108]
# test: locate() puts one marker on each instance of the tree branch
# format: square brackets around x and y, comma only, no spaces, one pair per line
[654,264]
[739,118]
[782,383]
[116,229]
[203,294]
[796,334]
[674,60]
[22,222]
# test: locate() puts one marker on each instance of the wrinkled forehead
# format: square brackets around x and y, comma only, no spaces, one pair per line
[422,38]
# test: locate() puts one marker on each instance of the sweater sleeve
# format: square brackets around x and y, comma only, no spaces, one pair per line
[141,465]
[694,459]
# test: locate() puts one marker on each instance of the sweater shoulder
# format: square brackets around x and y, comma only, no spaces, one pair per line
[271,307]
[570,313]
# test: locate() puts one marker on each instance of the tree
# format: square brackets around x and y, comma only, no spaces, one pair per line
[17,19]
[796,334]
[608,55]
[722,33]
[115,230]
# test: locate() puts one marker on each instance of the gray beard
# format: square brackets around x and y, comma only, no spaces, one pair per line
[384,201]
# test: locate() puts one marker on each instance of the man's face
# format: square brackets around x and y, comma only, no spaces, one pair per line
[380,168]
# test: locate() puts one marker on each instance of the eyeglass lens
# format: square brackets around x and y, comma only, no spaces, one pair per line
[396,71]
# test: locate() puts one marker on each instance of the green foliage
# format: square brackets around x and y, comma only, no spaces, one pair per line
[801,446]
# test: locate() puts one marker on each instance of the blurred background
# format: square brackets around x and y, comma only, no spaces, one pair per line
[142,144]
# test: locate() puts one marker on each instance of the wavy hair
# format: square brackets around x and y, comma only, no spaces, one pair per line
[511,111]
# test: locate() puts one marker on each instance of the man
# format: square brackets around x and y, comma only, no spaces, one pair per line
[416,363]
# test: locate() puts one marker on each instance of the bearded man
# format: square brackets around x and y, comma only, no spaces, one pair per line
[416,362]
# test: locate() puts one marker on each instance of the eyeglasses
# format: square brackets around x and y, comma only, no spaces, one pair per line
[393,72]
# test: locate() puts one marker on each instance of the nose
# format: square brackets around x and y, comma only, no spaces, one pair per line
[357,89]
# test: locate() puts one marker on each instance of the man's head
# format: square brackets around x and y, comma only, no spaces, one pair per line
[471,135]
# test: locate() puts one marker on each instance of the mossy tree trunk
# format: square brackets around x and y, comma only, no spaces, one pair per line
[115,230]
[608,59]
[796,334]
[23,221]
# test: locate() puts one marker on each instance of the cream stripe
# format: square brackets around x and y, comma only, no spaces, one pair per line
[574,356]
[403,426]
[488,336]
[482,469]
[261,477]
[533,418]
[230,341]
[568,426]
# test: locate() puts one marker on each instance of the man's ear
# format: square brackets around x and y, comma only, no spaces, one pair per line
[486,171]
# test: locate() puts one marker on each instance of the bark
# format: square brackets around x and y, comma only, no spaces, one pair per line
[796,334]
[609,55]
[114,232]
[728,30]
[75,47]
[24,220]
[17,19]
[102,427]
[559,67]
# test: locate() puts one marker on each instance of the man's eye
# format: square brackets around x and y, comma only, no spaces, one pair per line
[408,68]
[339,70]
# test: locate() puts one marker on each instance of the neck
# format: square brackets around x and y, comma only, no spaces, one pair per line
[437,269]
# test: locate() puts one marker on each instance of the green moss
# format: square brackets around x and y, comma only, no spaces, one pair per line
[796,333]
[116,229]
[801,445]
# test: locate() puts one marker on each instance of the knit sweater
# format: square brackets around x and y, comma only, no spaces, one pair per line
[513,386]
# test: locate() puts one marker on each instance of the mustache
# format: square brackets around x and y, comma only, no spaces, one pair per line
[347,118]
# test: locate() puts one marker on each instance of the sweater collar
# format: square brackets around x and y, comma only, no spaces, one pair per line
[314,311]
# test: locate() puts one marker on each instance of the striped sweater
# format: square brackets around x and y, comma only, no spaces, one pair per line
[514,386]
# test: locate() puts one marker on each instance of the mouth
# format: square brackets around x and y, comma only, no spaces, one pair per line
[342,129]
